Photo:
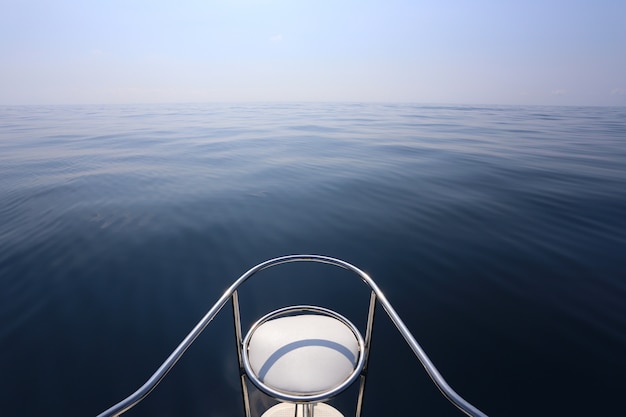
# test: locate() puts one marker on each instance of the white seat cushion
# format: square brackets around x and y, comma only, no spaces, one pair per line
[303,354]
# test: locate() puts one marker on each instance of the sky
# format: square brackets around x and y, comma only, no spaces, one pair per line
[545,52]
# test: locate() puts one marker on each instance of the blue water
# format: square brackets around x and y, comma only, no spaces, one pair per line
[498,233]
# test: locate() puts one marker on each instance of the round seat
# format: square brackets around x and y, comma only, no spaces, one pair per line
[303,353]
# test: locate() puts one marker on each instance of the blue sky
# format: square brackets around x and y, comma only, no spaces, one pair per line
[469,52]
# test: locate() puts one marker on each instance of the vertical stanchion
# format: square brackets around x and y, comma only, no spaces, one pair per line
[239,342]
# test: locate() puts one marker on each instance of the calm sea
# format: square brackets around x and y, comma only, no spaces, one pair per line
[498,233]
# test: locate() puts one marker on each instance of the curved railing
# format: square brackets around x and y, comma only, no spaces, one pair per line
[166,366]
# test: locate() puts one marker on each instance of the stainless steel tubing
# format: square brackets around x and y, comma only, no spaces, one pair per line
[160,373]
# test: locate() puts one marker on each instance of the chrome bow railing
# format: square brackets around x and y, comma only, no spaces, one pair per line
[231,292]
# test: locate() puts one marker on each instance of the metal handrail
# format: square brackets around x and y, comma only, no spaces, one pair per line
[166,366]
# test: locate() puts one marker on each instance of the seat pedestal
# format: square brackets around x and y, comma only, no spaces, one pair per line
[288,410]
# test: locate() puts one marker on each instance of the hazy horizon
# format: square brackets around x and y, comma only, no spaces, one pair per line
[448,52]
